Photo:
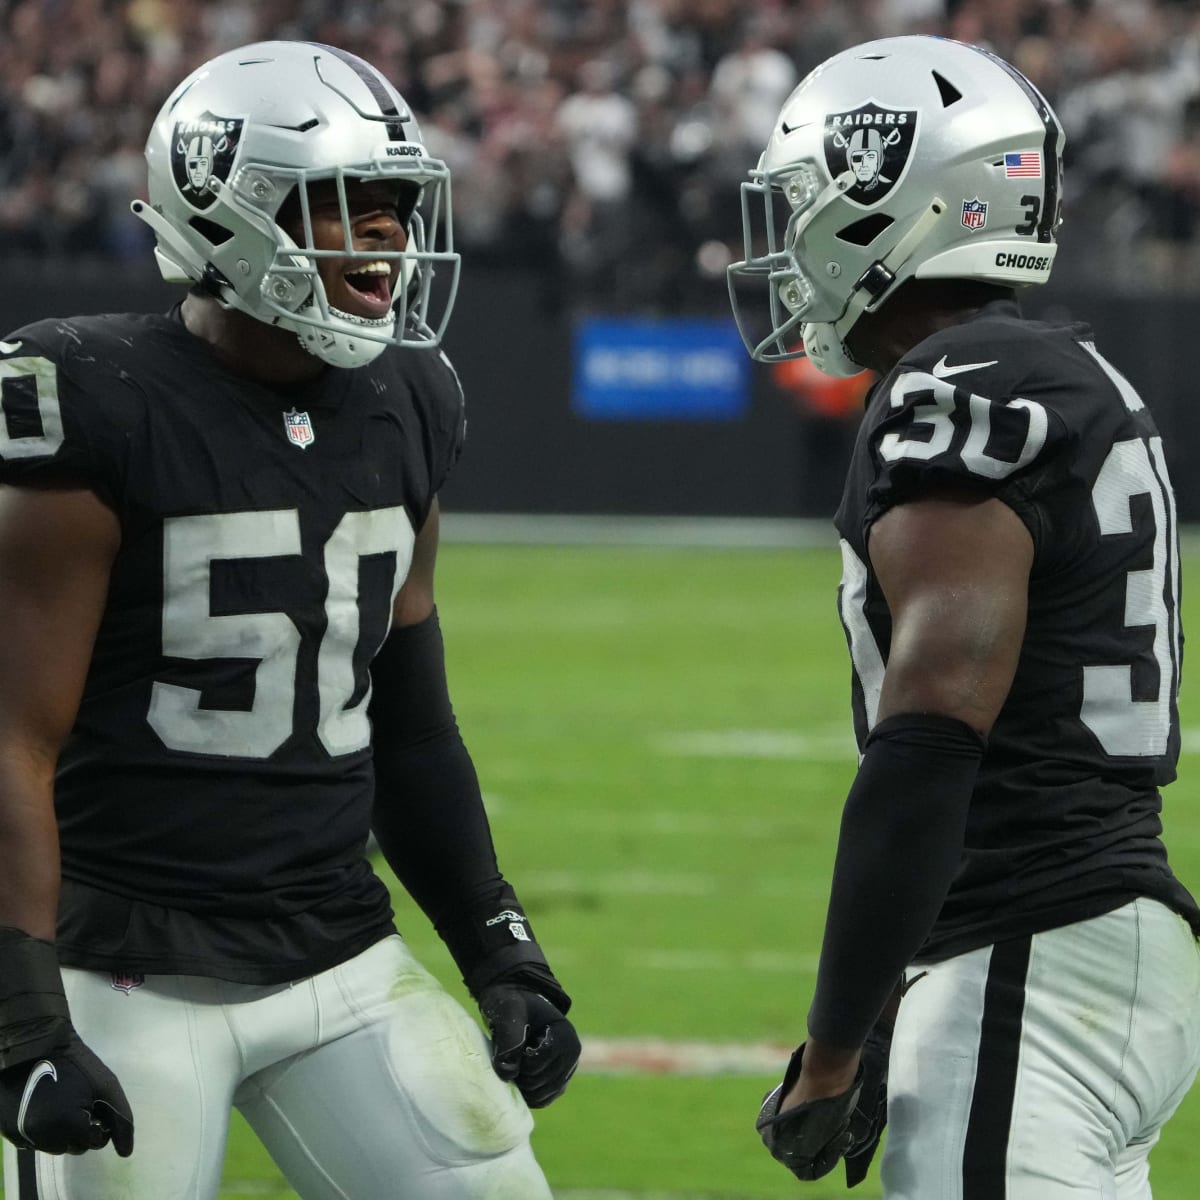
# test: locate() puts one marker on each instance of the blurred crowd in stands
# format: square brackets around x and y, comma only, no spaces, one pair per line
[603,140]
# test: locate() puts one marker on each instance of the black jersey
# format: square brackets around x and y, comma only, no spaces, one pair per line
[1064,821]
[214,796]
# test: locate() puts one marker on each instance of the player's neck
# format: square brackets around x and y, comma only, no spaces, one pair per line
[247,346]
[889,343]
[918,310]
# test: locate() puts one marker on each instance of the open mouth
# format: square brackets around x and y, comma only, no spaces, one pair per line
[369,287]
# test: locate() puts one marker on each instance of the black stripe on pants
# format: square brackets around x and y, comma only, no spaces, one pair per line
[26,1175]
[985,1154]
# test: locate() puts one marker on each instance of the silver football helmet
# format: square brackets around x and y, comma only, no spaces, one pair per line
[907,156]
[255,126]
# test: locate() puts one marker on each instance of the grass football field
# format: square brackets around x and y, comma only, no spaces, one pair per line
[663,738]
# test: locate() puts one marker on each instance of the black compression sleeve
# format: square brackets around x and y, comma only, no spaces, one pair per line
[33,1007]
[429,817]
[900,846]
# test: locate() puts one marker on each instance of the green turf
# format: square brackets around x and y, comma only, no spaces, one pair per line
[679,896]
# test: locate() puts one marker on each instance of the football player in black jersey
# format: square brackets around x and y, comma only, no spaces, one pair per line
[1002,910]
[222,668]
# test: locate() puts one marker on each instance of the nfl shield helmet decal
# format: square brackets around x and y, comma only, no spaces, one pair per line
[974,213]
[203,149]
[875,142]
[298,428]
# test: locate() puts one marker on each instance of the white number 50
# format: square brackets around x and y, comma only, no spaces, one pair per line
[190,630]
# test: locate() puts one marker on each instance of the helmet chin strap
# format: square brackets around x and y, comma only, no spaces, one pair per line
[341,345]
[825,342]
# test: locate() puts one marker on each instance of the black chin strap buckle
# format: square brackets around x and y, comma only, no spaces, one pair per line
[875,280]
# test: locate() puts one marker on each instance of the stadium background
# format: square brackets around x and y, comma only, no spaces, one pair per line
[638,581]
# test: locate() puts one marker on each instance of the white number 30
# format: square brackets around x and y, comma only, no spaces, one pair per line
[1123,725]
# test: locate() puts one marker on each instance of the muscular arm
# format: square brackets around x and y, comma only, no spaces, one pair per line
[414,602]
[955,572]
[429,816]
[56,553]
[432,827]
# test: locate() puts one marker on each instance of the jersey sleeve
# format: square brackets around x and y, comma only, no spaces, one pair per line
[957,414]
[59,395]
[445,406]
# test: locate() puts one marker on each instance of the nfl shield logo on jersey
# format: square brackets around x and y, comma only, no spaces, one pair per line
[126,981]
[974,213]
[299,429]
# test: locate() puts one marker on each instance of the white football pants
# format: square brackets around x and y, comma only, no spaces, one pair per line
[366,1082]
[1044,1068]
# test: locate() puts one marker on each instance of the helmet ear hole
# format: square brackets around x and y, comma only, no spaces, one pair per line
[864,232]
[214,234]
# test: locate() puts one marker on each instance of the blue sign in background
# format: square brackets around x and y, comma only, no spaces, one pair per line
[659,370]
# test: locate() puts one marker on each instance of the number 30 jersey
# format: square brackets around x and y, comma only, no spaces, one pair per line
[1064,821]
[214,797]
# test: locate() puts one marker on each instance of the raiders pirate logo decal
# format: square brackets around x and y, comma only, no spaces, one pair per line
[203,149]
[873,141]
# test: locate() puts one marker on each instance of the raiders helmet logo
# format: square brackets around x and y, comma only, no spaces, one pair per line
[203,149]
[873,141]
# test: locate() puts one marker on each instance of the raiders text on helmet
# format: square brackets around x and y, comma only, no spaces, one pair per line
[239,136]
[905,157]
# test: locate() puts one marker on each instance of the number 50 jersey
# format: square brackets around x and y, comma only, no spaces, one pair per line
[214,797]
[1064,821]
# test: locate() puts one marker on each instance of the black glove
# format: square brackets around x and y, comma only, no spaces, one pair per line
[524,1006]
[870,1114]
[811,1138]
[533,1043]
[65,1102]
[55,1094]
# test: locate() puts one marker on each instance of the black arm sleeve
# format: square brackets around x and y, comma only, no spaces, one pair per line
[33,1006]
[429,817]
[899,848]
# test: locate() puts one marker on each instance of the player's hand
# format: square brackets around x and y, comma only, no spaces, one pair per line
[65,1102]
[812,1137]
[869,1118]
[533,1044]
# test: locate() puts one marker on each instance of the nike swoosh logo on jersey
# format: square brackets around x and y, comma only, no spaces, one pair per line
[40,1072]
[792,128]
[9,347]
[942,371]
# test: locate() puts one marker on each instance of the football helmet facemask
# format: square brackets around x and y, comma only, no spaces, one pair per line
[254,128]
[904,157]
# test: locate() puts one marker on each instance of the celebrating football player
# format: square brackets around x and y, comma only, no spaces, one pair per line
[222,668]
[1009,969]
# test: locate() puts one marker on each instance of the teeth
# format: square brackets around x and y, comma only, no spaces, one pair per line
[371,268]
